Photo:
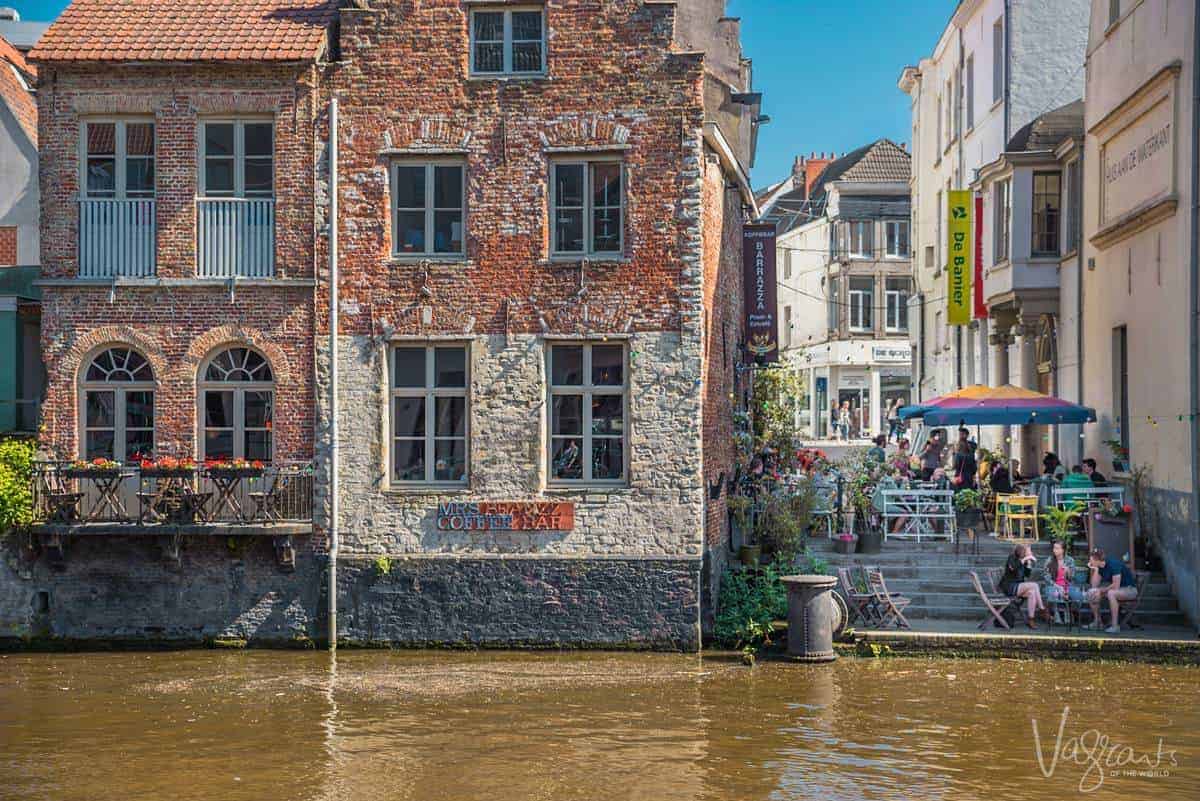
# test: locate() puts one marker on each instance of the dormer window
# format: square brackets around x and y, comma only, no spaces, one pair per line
[508,41]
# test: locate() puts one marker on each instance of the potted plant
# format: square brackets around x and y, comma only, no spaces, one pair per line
[968,508]
[1120,455]
[845,543]
[1059,524]
[741,506]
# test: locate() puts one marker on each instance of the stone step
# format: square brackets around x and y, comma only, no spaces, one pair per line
[972,600]
[1145,618]
[908,586]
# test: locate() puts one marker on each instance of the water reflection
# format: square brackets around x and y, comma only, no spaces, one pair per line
[449,726]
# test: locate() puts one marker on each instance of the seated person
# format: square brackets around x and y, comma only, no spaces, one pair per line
[1111,579]
[1089,469]
[1017,583]
[1076,479]
[1001,480]
[878,453]
[1058,571]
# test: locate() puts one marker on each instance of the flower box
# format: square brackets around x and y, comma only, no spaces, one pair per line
[235,472]
[92,472]
[168,472]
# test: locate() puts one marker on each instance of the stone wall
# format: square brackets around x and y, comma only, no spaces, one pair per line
[522,602]
[659,512]
[122,589]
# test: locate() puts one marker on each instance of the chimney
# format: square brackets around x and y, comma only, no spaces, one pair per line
[812,170]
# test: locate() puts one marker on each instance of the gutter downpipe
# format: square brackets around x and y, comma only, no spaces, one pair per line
[334,505]
[1079,269]
[1194,303]
[1007,70]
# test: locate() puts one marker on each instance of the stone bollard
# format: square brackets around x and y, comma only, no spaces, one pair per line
[811,617]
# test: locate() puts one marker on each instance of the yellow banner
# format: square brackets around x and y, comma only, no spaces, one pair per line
[961,267]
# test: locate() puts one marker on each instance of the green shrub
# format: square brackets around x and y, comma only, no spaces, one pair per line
[749,601]
[16,476]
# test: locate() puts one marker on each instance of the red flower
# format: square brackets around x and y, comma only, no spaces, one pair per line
[1127,509]
[256,464]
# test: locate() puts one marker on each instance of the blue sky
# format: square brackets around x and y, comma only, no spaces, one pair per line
[827,68]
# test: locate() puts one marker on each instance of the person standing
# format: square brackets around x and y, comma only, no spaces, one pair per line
[893,419]
[965,468]
[844,421]
[931,454]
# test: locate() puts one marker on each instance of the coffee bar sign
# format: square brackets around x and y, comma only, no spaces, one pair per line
[506,516]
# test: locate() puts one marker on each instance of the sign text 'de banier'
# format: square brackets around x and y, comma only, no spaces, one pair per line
[961,262]
[758,271]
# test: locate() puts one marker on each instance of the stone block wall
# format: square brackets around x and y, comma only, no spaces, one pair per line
[122,589]
[659,512]
[522,602]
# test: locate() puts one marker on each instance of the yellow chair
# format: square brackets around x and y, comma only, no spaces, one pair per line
[1021,513]
[999,510]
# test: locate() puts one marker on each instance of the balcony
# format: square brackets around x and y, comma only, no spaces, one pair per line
[74,499]
[235,237]
[117,238]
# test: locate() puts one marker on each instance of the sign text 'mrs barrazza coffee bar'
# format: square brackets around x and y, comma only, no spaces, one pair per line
[506,516]
[758,275]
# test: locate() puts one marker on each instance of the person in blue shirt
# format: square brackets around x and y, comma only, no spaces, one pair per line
[1111,579]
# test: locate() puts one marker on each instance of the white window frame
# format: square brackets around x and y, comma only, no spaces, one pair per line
[588,207]
[835,304]
[895,300]
[1073,197]
[587,391]
[239,388]
[429,394]
[998,60]
[430,166]
[507,11]
[787,326]
[1038,222]
[862,231]
[1003,217]
[861,302]
[239,156]
[898,226]
[969,90]
[120,157]
[119,390]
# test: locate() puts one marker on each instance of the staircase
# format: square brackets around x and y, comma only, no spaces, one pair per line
[936,579]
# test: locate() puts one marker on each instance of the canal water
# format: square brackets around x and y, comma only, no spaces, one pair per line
[456,726]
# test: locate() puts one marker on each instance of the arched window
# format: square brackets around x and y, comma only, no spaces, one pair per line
[237,404]
[118,406]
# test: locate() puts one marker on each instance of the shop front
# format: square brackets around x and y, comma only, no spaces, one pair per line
[856,381]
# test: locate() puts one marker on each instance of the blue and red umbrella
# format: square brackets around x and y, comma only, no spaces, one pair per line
[1006,405]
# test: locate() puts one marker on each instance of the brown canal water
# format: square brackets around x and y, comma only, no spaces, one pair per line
[453,726]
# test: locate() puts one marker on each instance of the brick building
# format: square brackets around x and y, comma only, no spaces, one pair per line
[539,220]
[177,146]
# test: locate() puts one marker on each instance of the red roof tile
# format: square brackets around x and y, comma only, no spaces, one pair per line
[15,88]
[188,30]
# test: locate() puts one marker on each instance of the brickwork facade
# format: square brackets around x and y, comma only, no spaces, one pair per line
[177,318]
[620,86]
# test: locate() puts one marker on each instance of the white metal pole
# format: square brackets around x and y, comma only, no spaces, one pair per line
[334,505]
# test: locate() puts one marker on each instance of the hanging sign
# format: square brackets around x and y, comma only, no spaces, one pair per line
[758,271]
[960,269]
[506,516]
[981,310]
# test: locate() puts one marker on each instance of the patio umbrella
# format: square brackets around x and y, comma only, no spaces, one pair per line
[1006,405]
